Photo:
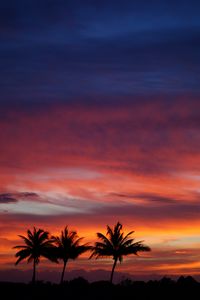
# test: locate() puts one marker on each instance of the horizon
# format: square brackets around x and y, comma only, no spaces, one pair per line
[99,123]
[53,276]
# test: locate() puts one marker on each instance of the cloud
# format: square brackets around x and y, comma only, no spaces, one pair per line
[139,214]
[153,213]
[15,197]
[149,55]
[49,202]
[143,137]
[7,198]
[149,198]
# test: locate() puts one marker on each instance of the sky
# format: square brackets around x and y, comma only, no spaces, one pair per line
[99,123]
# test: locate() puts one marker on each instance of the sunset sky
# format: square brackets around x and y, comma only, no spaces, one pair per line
[99,123]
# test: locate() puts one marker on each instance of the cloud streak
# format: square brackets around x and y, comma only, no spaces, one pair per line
[107,51]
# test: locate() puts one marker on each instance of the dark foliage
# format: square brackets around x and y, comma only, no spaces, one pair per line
[79,288]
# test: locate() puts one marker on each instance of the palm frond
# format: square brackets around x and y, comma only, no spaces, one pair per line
[68,245]
[127,243]
[104,239]
[21,247]
[116,245]
[22,254]
[26,240]
[126,236]
[36,244]
[135,248]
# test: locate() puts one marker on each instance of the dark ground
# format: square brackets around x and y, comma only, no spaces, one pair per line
[183,288]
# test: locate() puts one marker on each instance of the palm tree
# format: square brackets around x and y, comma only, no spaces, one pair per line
[116,245]
[68,247]
[36,245]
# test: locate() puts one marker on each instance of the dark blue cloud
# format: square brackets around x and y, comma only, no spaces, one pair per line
[60,50]
[15,197]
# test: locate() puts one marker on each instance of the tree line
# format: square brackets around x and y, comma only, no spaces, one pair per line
[38,243]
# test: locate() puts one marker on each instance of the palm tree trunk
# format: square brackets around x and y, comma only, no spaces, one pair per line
[113,269]
[34,271]
[63,272]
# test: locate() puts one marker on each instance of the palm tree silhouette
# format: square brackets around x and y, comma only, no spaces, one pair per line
[68,247]
[116,245]
[36,245]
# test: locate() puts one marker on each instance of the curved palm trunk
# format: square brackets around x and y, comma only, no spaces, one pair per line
[113,269]
[34,271]
[63,272]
